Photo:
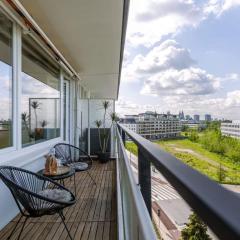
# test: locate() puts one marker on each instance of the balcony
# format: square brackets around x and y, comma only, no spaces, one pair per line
[85,42]
[93,216]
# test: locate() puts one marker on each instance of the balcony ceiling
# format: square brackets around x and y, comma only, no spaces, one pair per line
[88,34]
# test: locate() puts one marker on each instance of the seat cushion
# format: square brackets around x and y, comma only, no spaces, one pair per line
[56,194]
[79,166]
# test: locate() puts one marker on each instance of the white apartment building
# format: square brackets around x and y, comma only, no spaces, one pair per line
[154,126]
[132,126]
[231,129]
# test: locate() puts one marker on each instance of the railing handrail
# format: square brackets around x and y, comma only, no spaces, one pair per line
[217,206]
[145,223]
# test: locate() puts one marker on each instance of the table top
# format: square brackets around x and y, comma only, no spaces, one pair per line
[58,177]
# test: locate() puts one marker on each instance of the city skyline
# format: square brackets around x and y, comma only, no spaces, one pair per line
[190,62]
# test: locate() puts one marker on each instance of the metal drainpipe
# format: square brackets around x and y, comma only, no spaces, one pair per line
[75,113]
[89,129]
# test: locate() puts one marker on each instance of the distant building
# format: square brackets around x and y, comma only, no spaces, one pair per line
[181,115]
[208,117]
[231,129]
[190,124]
[152,125]
[196,118]
[188,117]
[130,122]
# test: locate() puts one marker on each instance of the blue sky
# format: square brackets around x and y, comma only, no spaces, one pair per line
[182,54]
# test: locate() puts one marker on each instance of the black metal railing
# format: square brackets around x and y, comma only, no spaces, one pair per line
[218,207]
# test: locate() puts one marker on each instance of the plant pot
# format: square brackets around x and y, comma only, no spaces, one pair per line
[103,157]
[38,133]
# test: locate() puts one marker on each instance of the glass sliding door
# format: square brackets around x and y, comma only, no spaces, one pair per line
[6,106]
[66,110]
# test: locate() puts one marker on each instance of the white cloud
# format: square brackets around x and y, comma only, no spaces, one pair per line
[230,77]
[218,7]
[166,55]
[191,81]
[169,69]
[233,99]
[124,107]
[151,20]
[5,108]
[35,88]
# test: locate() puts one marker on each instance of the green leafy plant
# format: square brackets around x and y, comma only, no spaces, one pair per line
[25,120]
[35,105]
[104,135]
[44,123]
[196,229]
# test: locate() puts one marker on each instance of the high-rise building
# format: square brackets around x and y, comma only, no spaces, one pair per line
[196,118]
[208,117]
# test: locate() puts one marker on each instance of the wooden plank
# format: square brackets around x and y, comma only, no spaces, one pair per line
[93,231]
[106,231]
[99,235]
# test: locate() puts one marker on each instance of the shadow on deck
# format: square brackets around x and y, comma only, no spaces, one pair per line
[92,217]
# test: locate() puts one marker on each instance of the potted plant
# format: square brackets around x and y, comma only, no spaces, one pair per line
[41,130]
[25,120]
[104,132]
[36,105]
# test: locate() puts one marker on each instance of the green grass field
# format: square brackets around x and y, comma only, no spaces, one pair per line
[194,155]
[4,139]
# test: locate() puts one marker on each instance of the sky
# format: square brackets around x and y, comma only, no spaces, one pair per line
[182,55]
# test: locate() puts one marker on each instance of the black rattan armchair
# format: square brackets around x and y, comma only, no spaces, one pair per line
[72,156]
[25,187]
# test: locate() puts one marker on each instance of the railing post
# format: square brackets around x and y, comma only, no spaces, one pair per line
[144,178]
[124,138]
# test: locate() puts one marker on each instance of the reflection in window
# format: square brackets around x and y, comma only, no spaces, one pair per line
[5,82]
[40,102]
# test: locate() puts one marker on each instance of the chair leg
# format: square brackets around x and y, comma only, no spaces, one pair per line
[14,228]
[91,178]
[63,220]
[22,228]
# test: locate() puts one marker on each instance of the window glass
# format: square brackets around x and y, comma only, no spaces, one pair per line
[40,103]
[5,82]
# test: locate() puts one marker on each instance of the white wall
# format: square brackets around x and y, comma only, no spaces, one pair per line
[97,112]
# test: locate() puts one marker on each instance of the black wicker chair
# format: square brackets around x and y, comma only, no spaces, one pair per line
[25,187]
[72,156]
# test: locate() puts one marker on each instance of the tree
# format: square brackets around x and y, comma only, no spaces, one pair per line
[35,105]
[185,128]
[193,136]
[104,137]
[196,229]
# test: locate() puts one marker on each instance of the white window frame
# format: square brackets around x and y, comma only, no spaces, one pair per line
[14,154]
[14,89]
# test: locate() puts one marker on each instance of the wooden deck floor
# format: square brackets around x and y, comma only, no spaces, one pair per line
[92,217]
